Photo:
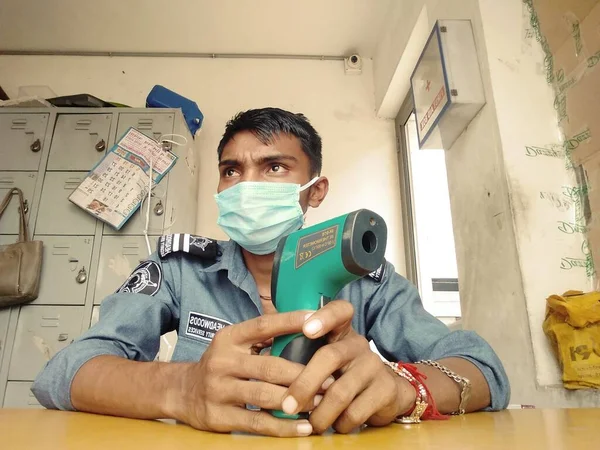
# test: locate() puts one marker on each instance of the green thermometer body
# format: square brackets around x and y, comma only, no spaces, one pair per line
[313,264]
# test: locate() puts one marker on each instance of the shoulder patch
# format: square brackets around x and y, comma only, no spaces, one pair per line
[188,243]
[145,279]
[377,275]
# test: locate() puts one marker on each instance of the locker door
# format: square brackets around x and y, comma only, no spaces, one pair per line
[57,214]
[152,125]
[79,141]
[65,270]
[4,316]
[95,316]
[119,256]
[21,140]
[19,395]
[158,212]
[42,331]
[9,223]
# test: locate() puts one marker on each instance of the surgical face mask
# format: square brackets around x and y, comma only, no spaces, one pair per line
[257,215]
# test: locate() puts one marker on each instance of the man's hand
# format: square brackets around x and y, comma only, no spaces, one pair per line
[366,390]
[216,390]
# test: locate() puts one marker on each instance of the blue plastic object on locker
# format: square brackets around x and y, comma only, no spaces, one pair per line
[161,97]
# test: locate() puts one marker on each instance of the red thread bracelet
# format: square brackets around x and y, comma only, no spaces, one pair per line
[432,412]
[427,410]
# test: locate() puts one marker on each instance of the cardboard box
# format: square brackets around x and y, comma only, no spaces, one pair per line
[577,85]
[572,31]
[592,171]
[582,122]
[571,56]
[556,19]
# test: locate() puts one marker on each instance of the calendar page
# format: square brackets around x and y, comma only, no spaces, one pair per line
[113,190]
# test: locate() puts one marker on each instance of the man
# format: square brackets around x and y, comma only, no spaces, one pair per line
[270,164]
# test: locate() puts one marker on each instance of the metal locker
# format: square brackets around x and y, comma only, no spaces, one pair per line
[22,140]
[65,270]
[158,212]
[57,214]
[79,141]
[9,223]
[6,239]
[19,395]
[152,125]
[4,317]
[95,316]
[119,256]
[42,331]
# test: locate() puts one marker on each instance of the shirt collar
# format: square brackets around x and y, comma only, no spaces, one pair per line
[232,261]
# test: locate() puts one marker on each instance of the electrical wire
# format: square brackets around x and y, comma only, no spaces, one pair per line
[161,141]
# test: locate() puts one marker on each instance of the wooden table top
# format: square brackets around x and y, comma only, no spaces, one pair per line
[532,429]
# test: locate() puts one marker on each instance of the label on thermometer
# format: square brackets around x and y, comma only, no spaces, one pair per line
[315,244]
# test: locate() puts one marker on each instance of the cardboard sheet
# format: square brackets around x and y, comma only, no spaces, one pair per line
[570,35]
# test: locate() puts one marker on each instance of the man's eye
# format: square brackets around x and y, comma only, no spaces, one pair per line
[230,172]
[278,168]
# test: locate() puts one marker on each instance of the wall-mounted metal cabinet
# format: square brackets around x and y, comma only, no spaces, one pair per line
[47,152]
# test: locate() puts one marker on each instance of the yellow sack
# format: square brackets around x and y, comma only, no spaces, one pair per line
[572,324]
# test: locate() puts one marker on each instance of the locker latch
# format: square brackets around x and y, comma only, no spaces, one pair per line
[159,209]
[81,276]
[36,146]
[101,145]
[63,337]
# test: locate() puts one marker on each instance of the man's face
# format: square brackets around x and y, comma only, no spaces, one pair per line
[245,158]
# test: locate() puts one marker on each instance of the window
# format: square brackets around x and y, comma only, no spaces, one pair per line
[430,252]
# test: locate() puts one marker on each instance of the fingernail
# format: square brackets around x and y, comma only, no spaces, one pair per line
[313,327]
[289,405]
[317,400]
[308,315]
[328,382]
[304,428]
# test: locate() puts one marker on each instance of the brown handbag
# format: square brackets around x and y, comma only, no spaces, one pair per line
[20,263]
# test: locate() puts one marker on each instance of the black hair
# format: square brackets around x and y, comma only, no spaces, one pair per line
[267,123]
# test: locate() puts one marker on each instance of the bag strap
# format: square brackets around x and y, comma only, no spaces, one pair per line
[23,229]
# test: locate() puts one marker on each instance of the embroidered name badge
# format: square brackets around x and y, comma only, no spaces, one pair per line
[145,279]
[203,327]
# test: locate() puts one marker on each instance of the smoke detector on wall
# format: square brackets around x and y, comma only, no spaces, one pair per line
[353,65]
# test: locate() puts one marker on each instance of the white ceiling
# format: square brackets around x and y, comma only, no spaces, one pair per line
[315,27]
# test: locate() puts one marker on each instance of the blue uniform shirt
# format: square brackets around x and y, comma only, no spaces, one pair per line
[197,296]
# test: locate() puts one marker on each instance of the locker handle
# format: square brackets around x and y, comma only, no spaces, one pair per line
[101,145]
[63,337]
[36,146]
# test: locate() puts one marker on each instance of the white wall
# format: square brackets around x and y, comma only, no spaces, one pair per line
[393,50]
[359,148]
